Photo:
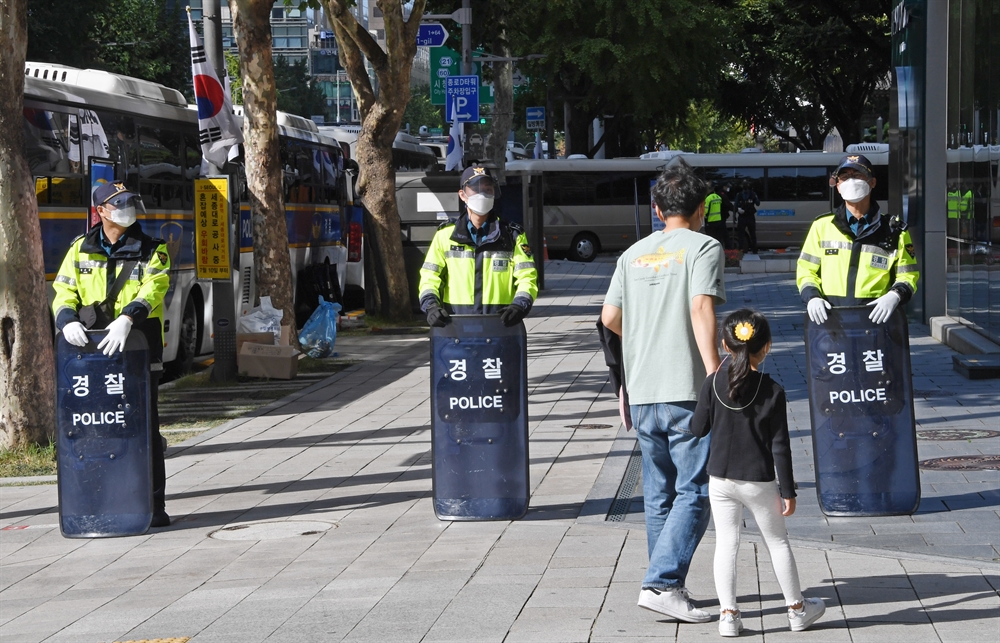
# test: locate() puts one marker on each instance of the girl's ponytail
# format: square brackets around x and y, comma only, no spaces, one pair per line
[745,333]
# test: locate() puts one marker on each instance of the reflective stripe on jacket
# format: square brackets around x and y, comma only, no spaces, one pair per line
[713,208]
[850,271]
[88,273]
[470,279]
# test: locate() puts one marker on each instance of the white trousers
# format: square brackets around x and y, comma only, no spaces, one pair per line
[728,497]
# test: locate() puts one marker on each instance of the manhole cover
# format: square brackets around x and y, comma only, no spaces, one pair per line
[956,434]
[963,463]
[589,426]
[272,530]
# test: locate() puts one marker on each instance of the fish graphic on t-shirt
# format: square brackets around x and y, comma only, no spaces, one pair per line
[658,259]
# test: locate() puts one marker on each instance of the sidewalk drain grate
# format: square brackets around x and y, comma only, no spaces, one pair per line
[272,530]
[623,498]
[589,426]
[956,434]
[963,463]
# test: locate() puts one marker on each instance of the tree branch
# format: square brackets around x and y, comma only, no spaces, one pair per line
[352,31]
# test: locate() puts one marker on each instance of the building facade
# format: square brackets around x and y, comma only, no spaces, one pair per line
[945,155]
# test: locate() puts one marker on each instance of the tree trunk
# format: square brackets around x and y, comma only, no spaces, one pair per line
[503,107]
[272,265]
[27,365]
[381,117]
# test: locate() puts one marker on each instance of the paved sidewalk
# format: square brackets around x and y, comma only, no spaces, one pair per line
[345,464]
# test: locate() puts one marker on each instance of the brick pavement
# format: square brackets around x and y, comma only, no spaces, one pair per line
[351,454]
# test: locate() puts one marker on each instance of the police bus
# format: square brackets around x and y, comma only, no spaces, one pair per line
[596,205]
[408,154]
[74,118]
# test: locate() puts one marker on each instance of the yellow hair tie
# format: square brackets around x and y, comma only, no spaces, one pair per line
[744,331]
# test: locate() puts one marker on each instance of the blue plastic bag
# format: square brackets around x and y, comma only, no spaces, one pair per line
[320,332]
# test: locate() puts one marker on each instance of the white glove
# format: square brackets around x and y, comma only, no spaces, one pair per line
[740,210]
[884,306]
[114,341]
[817,308]
[76,334]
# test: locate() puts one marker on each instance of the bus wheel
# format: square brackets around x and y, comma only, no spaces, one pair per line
[583,248]
[187,343]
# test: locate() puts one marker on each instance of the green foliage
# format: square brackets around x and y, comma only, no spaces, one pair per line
[705,130]
[419,110]
[296,94]
[808,64]
[32,460]
[138,38]
[235,77]
[640,61]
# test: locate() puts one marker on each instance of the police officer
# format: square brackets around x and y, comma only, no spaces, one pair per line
[855,255]
[746,223]
[88,273]
[478,264]
[715,224]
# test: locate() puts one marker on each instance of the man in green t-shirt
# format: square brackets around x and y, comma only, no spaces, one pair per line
[662,302]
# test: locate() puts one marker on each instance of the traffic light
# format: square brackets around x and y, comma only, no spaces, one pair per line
[482,120]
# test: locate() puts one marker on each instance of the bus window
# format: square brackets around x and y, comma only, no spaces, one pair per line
[562,188]
[781,184]
[754,175]
[721,176]
[120,132]
[53,154]
[814,183]
[613,190]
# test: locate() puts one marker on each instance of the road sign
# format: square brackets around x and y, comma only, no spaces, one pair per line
[535,118]
[431,34]
[462,98]
[448,62]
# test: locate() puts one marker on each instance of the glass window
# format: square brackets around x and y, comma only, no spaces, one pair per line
[814,183]
[277,14]
[568,189]
[781,184]
[160,153]
[281,43]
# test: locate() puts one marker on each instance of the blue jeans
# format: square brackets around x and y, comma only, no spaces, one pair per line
[674,489]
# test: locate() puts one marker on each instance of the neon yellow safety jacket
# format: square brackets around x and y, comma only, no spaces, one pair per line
[88,272]
[466,278]
[851,271]
[954,204]
[713,208]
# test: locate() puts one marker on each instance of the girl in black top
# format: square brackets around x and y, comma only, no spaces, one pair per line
[745,409]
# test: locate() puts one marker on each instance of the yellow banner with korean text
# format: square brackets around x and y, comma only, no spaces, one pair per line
[211,227]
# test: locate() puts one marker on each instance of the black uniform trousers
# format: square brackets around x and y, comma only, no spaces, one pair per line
[746,229]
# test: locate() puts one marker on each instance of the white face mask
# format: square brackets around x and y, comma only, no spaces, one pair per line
[480,203]
[854,190]
[124,217]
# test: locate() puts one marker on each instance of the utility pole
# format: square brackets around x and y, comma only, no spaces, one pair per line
[212,26]
[223,292]
[467,38]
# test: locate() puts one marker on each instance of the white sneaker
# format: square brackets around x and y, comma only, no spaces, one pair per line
[730,624]
[812,609]
[674,602]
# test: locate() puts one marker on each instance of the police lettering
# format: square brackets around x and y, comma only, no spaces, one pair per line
[100,417]
[863,395]
[481,402]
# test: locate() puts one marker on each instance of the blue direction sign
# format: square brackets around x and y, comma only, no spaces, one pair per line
[431,34]
[535,118]
[462,98]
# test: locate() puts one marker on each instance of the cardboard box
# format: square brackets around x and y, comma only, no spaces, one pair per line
[268,360]
[255,338]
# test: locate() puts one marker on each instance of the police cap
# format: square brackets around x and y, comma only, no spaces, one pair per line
[114,193]
[477,178]
[857,162]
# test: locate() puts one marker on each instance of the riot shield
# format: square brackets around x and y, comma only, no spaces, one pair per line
[861,407]
[103,452]
[479,413]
